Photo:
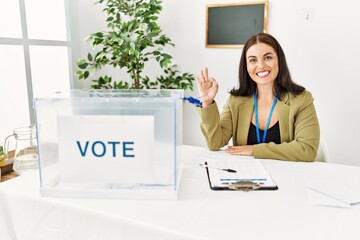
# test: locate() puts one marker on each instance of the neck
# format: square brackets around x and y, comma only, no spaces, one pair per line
[265,93]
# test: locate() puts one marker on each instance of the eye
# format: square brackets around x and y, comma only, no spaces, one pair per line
[252,60]
[268,57]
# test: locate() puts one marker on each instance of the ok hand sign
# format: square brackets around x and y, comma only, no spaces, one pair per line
[208,87]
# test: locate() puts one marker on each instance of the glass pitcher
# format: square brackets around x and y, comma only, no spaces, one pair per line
[26,152]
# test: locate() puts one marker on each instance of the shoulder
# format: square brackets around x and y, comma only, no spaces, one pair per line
[237,100]
[303,99]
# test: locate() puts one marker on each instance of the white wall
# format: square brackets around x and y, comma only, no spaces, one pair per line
[320,39]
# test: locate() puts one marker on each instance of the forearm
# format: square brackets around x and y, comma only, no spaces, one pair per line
[292,151]
[216,130]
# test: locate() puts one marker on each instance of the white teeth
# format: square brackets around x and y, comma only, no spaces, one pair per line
[263,74]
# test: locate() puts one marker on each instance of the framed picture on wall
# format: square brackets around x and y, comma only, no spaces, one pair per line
[230,25]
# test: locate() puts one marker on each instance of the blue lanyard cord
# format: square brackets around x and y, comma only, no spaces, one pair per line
[268,120]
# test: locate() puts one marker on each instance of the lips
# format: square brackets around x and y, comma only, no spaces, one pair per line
[263,74]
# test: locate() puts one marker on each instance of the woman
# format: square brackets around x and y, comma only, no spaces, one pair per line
[268,115]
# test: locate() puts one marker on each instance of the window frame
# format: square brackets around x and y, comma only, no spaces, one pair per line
[25,42]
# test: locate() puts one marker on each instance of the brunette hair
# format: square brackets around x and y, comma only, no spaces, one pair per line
[283,82]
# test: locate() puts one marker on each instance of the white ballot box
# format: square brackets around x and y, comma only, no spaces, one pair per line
[109,143]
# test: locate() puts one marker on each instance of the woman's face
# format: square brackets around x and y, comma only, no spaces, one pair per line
[262,64]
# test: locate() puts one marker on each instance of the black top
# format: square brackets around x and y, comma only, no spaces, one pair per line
[272,135]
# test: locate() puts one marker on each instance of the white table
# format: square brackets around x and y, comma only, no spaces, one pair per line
[199,213]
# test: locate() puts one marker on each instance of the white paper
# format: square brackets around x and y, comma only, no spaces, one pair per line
[319,198]
[88,153]
[339,188]
[248,170]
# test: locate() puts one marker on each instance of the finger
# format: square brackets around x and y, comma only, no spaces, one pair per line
[213,82]
[200,80]
[206,73]
[233,150]
[202,73]
[215,86]
[230,150]
[233,153]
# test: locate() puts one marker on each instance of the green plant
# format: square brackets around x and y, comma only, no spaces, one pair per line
[2,154]
[133,38]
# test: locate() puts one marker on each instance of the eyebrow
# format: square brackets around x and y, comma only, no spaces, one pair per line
[269,53]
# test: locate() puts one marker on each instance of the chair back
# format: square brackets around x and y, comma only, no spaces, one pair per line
[322,154]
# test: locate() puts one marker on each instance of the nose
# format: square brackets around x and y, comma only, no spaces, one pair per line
[261,64]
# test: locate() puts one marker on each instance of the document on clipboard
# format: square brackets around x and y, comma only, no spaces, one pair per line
[245,174]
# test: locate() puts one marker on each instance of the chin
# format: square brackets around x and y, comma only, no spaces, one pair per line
[264,82]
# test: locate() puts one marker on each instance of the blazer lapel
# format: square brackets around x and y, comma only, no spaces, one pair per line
[246,109]
[284,112]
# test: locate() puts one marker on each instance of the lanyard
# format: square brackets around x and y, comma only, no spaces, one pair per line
[268,120]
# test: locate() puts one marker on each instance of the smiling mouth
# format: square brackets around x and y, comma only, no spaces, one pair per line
[263,74]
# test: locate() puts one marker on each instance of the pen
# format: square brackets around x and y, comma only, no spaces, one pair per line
[192,100]
[222,169]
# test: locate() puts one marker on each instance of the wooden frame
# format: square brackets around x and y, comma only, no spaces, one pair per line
[222,18]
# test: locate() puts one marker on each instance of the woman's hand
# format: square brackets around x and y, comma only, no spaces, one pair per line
[246,150]
[207,87]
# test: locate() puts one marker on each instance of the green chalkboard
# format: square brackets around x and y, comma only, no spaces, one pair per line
[230,25]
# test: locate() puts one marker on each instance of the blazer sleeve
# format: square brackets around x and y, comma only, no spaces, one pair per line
[305,143]
[216,128]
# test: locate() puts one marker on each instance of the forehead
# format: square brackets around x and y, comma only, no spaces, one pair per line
[259,49]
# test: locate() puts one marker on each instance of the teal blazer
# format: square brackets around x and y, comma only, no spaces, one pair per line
[298,122]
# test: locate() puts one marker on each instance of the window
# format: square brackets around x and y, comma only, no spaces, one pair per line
[35,57]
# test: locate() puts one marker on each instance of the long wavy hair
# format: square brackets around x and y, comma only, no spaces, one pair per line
[283,81]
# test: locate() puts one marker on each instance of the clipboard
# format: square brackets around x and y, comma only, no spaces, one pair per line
[243,179]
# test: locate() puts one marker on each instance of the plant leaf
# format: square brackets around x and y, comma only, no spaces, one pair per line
[90,58]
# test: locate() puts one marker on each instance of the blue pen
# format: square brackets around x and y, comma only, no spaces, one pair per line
[193,100]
